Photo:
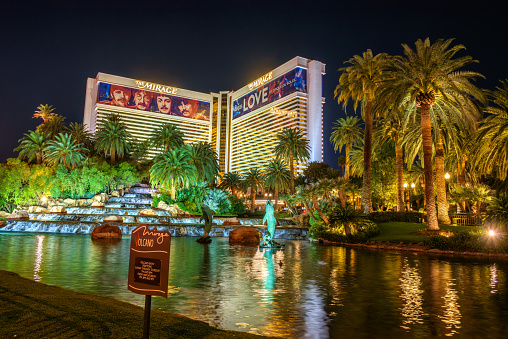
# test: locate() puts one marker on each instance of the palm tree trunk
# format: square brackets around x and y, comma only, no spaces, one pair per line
[367,155]
[461,179]
[399,163]
[432,223]
[309,211]
[253,198]
[173,191]
[442,204]
[318,209]
[113,156]
[346,166]
[39,158]
[276,196]
[292,170]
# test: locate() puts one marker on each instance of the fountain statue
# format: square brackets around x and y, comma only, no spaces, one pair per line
[267,240]
[208,218]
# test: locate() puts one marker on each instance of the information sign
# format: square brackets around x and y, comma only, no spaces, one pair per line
[149,261]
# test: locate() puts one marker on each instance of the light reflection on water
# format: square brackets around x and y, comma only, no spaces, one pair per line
[305,291]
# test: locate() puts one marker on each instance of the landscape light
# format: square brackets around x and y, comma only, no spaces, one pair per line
[413,185]
[405,185]
[492,233]
[447,176]
[43,198]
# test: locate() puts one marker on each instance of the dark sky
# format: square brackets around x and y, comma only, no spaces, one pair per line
[49,49]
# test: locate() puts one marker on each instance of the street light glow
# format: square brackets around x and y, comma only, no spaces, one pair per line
[447,176]
[492,233]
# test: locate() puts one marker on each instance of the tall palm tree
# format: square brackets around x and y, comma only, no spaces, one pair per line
[253,179]
[81,134]
[346,132]
[166,137]
[173,169]
[359,82]
[423,75]
[53,126]
[113,138]
[64,150]
[32,145]
[45,112]
[232,180]
[492,139]
[277,176]
[292,145]
[205,160]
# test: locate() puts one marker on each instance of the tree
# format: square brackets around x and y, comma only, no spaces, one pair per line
[346,133]
[253,179]
[424,74]
[54,125]
[167,136]
[64,150]
[32,145]
[81,134]
[491,143]
[173,169]
[277,176]
[359,82]
[113,138]
[205,160]
[315,171]
[232,181]
[45,112]
[292,145]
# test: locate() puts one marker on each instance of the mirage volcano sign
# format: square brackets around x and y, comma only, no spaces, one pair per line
[149,261]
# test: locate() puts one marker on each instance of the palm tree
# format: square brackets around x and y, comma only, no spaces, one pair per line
[492,138]
[253,179]
[81,134]
[205,160]
[166,137]
[346,132]
[113,138]
[32,145]
[292,145]
[277,176]
[64,150]
[173,169]
[232,180]
[422,76]
[53,126]
[45,112]
[359,82]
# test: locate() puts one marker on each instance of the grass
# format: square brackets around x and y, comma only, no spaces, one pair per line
[401,231]
[35,310]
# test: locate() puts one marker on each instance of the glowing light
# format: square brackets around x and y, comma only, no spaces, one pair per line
[447,176]
[413,185]
[44,198]
[492,233]
[405,185]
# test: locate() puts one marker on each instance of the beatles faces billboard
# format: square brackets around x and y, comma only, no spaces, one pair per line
[292,81]
[143,100]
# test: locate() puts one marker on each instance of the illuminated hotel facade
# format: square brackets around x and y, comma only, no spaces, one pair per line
[240,125]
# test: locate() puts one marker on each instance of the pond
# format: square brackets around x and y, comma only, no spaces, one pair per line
[305,291]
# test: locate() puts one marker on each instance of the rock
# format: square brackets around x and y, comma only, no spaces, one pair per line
[107,232]
[69,202]
[246,236]
[3,222]
[301,219]
[4,214]
[97,204]
[18,215]
[57,209]
[173,209]
[39,209]
[231,221]
[113,218]
[120,187]
[148,212]
[103,197]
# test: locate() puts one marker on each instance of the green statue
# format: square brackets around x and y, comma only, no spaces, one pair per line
[208,218]
[271,222]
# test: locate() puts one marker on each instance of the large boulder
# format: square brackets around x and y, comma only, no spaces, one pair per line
[57,209]
[18,215]
[301,219]
[231,221]
[246,236]
[148,212]
[107,232]
[115,193]
[37,209]
[3,222]
[103,197]
[70,202]
[97,204]
[174,210]
[113,218]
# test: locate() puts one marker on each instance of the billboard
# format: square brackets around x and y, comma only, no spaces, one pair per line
[292,81]
[143,100]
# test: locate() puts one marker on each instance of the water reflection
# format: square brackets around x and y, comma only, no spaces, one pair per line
[493,279]
[412,295]
[452,314]
[38,257]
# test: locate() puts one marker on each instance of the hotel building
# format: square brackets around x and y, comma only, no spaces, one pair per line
[240,125]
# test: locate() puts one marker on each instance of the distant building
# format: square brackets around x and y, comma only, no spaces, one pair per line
[241,125]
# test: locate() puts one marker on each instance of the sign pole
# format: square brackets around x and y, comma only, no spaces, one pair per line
[146,321]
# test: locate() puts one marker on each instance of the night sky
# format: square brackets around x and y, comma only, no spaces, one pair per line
[49,49]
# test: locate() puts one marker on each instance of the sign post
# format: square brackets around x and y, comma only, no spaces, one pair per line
[149,266]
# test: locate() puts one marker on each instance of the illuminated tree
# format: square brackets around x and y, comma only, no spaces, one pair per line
[64,150]
[45,112]
[167,136]
[32,145]
[205,160]
[425,74]
[359,83]
[253,179]
[346,133]
[277,176]
[292,145]
[112,138]
[232,180]
[81,134]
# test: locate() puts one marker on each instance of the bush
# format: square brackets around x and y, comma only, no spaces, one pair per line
[237,205]
[380,217]
[368,229]
[317,229]
[472,241]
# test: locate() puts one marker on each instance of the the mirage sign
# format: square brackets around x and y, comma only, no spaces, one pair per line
[292,81]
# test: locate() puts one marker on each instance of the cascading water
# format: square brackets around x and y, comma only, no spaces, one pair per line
[84,219]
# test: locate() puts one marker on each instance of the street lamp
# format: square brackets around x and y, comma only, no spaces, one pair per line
[447,178]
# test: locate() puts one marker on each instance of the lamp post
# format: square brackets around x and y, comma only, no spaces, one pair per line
[411,194]
[447,178]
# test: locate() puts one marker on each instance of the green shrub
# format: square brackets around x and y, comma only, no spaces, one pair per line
[472,241]
[237,205]
[368,229]
[317,229]
[379,217]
